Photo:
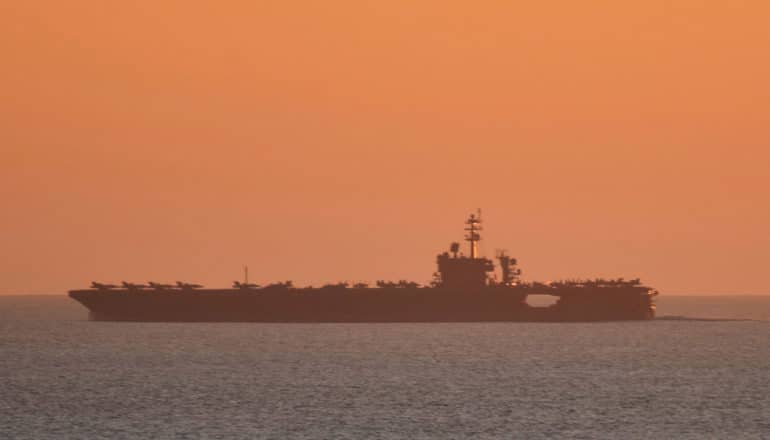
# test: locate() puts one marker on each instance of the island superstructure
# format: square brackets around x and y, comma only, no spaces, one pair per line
[464,289]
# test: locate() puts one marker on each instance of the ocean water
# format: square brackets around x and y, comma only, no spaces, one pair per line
[62,377]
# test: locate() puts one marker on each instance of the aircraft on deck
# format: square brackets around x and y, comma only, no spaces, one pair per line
[160,286]
[100,286]
[188,286]
[240,285]
[133,286]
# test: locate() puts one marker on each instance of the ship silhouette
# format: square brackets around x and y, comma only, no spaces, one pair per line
[463,290]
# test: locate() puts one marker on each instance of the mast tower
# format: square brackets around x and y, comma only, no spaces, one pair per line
[473,236]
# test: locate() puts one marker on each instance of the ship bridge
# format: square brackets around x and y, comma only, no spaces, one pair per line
[466,272]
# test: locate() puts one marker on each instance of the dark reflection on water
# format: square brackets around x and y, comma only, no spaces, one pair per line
[64,377]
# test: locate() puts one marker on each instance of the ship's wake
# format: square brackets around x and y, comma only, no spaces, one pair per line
[693,318]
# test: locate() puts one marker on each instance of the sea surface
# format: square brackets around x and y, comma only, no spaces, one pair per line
[682,377]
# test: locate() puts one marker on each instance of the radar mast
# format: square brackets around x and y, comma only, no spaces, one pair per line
[473,236]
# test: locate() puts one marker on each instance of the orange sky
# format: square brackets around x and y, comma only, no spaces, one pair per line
[330,140]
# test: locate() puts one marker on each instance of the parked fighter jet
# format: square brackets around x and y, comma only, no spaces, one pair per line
[160,286]
[100,286]
[240,285]
[188,286]
[133,286]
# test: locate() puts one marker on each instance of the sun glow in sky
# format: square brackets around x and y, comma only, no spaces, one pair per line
[321,141]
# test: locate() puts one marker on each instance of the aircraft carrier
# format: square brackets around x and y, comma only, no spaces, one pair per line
[464,289]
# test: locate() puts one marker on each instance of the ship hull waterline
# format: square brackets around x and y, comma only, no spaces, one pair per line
[363,305]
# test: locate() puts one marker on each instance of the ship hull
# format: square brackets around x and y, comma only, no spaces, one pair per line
[364,305]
